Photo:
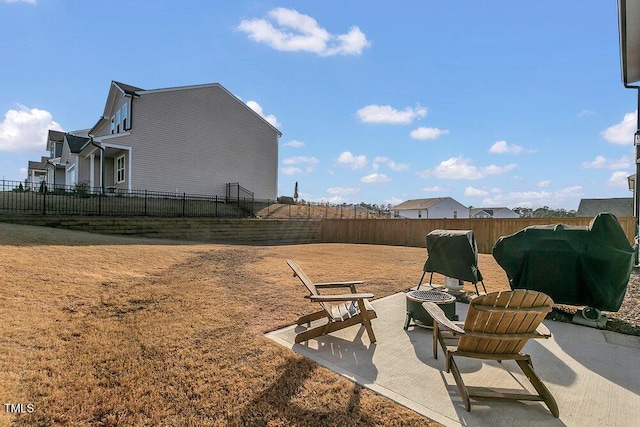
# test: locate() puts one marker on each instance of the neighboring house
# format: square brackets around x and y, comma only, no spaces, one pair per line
[440,207]
[192,139]
[37,173]
[492,213]
[620,207]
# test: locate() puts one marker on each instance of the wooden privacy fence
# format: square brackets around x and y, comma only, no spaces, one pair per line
[412,232]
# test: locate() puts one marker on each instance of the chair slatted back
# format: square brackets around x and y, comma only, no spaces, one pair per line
[308,283]
[503,322]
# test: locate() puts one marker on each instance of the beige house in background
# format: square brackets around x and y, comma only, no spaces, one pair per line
[192,139]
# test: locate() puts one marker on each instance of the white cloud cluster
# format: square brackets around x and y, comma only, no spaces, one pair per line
[461,168]
[425,133]
[21,1]
[26,129]
[435,189]
[601,162]
[295,31]
[619,179]
[532,198]
[622,133]
[375,178]
[294,143]
[387,114]
[273,121]
[394,166]
[343,191]
[299,165]
[354,162]
[501,147]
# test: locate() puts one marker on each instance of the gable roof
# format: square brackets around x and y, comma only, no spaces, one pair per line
[620,207]
[76,143]
[419,204]
[475,211]
[135,91]
[127,89]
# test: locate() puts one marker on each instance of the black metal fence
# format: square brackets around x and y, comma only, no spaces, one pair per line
[21,198]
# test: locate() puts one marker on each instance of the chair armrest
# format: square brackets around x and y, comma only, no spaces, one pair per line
[342,297]
[338,284]
[438,316]
[543,331]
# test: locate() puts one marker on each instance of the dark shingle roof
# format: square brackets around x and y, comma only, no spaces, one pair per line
[128,89]
[76,143]
[620,207]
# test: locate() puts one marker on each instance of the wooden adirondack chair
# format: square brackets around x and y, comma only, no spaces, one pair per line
[341,310]
[497,327]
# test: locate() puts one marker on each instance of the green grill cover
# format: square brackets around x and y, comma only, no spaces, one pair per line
[453,253]
[573,265]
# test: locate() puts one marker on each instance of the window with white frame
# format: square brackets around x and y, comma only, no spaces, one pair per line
[120,169]
[125,114]
[112,125]
[118,121]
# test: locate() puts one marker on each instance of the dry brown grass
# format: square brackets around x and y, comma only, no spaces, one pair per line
[102,330]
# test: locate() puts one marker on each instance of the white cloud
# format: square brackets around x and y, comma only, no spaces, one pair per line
[343,191]
[375,178]
[273,121]
[309,163]
[300,159]
[474,192]
[21,1]
[291,170]
[601,162]
[501,147]
[586,113]
[622,133]
[354,162]
[532,198]
[26,130]
[435,189]
[388,114]
[295,31]
[461,168]
[396,167]
[294,144]
[393,201]
[424,133]
[544,184]
[619,179]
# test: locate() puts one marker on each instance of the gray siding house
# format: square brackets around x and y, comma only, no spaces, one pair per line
[191,139]
[439,207]
[621,207]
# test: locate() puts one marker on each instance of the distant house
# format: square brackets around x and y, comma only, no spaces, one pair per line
[492,213]
[620,207]
[193,139]
[439,207]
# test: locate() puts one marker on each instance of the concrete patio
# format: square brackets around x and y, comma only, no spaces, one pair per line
[594,375]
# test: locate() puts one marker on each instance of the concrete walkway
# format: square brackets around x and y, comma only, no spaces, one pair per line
[594,375]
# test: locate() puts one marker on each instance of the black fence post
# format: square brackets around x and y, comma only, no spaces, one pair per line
[184,203]
[145,202]
[44,203]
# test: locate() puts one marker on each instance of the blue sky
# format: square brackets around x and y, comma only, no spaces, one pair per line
[493,103]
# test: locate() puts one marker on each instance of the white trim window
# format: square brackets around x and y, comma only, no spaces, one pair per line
[118,121]
[124,117]
[120,169]
[112,125]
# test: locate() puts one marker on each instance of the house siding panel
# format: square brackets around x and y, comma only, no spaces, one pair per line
[195,140]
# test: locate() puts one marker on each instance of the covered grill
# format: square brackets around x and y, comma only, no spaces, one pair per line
[582,266]
[453,253]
